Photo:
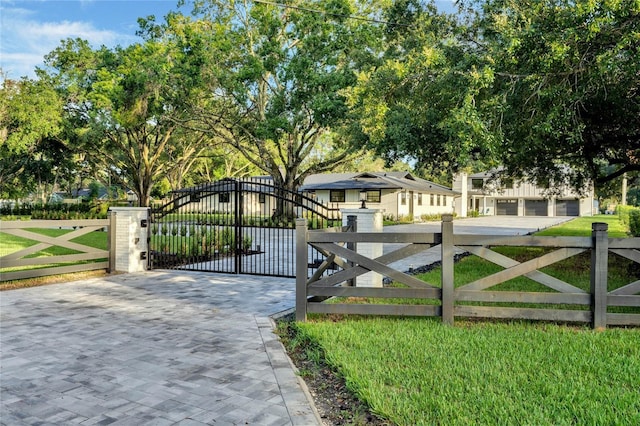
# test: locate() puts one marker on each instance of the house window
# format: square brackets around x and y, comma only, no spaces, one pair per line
[477,183]
[373,196]
[336,195]
[432,201]
[419,198]
[444,200]
[224,197]
[403,198]
[438,199]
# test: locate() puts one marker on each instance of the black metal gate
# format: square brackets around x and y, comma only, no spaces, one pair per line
[233,226]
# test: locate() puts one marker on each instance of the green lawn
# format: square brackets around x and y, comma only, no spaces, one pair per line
[417,371]
[581,227]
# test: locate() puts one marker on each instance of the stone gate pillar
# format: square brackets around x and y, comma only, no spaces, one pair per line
[128,245]
[368,220]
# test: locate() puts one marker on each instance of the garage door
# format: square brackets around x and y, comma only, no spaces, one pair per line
[507,207]
[535,207]
[567,208]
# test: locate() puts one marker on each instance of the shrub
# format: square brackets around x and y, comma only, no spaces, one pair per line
[623,213]
[634,222]
[227,239]
[247,241]
[195,247]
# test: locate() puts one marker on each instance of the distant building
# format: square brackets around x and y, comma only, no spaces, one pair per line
[395,193]
[482,193]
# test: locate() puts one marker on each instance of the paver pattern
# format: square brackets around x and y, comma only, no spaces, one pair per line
[154,348]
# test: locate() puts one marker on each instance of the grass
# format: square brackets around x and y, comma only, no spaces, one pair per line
[417,371]
[581,227]
[51,279]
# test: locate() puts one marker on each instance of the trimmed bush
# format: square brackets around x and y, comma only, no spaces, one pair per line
[623,213]
[634,222]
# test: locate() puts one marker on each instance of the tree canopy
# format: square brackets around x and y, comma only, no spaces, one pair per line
[567,77]
[30,123]
[273,78]
[125,104]
[546,89]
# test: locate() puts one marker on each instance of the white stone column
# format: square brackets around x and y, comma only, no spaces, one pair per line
[129,246]
[461,184]
[368,220]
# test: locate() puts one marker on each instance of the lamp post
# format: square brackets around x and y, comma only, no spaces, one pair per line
[363,198]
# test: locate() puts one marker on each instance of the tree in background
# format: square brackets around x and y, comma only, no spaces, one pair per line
[421,103]
[548,89]
[31,149]
[274,78]
[124,107]
[566,88]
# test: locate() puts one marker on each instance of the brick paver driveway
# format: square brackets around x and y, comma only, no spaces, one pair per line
[155,348]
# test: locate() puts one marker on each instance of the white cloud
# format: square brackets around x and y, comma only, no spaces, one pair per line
[25,41]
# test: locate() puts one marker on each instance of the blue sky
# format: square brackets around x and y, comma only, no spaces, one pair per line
[29,29]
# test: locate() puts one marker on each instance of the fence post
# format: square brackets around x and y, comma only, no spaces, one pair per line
[111,240]
[448,295]
[302,260]
[599,260]
[238,212]
[352,225]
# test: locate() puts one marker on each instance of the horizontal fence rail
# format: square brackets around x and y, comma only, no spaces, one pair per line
[30,267]
[342,265]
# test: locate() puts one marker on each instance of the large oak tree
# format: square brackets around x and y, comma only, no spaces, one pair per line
[567,82]
[273,79]
[125,107]
[546,88]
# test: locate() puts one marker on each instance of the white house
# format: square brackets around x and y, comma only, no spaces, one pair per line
[482,193]
[221,196]
[398,194]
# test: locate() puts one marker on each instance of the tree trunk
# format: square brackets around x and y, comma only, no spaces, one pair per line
[286,191]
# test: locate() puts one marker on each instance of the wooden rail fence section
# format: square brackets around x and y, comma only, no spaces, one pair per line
[81,227]
[340,248]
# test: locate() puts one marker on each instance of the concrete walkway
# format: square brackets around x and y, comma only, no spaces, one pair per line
[154,348]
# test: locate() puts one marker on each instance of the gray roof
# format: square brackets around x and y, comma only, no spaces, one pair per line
[373,180]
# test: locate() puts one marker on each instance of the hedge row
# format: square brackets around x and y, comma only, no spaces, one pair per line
[57,211]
